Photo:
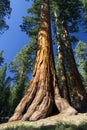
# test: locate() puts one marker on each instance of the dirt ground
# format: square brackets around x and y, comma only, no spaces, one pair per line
[52,120]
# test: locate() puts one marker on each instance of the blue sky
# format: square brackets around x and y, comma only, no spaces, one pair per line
[12,40]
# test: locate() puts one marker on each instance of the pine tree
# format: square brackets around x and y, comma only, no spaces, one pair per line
[81,55]
[85,9]
[4,91]
[5,11]
[1,58]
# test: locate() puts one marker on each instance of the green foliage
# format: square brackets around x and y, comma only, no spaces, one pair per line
[11,99]
[22,67]
[22,127]
[61,126]
[57,69]
[19,92]
[31,22]
[22,63]
[1,57]
[65,126]
[5,11]
[4,91]
[85,9]
[81,55]
[68,11]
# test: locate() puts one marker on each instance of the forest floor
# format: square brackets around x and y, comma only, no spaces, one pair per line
[50,121]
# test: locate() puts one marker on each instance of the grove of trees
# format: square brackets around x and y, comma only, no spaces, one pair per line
[57,86]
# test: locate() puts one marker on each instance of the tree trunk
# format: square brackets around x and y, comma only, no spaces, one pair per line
[43,92]
[63,78]
[78,91]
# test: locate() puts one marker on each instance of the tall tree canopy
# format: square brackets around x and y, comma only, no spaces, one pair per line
[4,88]
[85,9]
[5,11]
[43,95]
[81,55]
[67,23]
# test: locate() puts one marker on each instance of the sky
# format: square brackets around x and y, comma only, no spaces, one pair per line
[12,40]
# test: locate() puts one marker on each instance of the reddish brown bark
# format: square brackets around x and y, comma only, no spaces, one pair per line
[63,78]
[78,91]
[43,92]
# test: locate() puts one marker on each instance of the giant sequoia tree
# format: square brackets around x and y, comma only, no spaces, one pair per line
[43,93]
[63,78]
[69,23]
[78,91]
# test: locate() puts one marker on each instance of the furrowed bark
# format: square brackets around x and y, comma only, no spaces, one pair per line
[43,91]
[78,91]
[63,78]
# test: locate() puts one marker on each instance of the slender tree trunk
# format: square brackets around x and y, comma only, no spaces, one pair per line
[63,78]
[43,92]
[78,91]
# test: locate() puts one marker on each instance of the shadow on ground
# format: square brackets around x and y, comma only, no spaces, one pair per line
[61,126]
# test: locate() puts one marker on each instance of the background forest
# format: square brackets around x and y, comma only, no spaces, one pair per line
[66,16]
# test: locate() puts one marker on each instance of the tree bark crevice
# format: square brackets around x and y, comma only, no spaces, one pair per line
[42,94]
[78,90]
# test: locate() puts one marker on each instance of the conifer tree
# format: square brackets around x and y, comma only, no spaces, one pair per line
[81,55]
[43,91]
[4,88]
[5,11]
[69,22]
[85,9]
[63,78]
[1,58]
[78,91]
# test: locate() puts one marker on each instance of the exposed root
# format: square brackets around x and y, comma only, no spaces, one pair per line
[23,105]
[63,105]
[37,100]
[15,117]
[44,109]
